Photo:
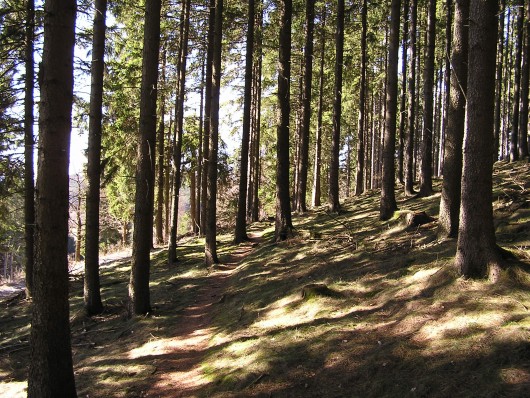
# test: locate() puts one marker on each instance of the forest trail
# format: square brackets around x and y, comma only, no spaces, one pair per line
[179,373]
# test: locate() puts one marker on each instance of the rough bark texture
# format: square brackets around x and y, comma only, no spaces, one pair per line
[477,254]
[139,296]
[333,194]
[428,105]
[450,201]
[283,224]
[388,199]
[498,82]
[318,140]
[514,133]
[241,219]
[29,143]
[359,177]
[92,294]
[159,219]
[525,70]
[179,129]
[403,100]
[306,108]
[409,137]
[257,119]
[211,210]
[447,79]
[50,367]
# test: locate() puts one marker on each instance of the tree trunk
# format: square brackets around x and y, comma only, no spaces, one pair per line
[92,294]
[283,224]
[306,108]
[388,199]
[428,104]
[179,130]
[514,133]
[200,175]
[447,80]
[403,101]
[498,85]
[207,118]
[257,128]
[477,254]
[333,197]
[241,219]
[159,221]
[525,69]
[50,364]
[29,142]
[359,178]
[211,211]
[139,296]
[409,138]
[318,140]
[450,201]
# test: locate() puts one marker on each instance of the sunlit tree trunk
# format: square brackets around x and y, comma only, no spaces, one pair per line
[525,69]
[359,178]
[139,295]
[50,363]
[497,136]
[403,100]
[477,254]
[388,199]
[514,133]
[450,201]
[409,137]
[159,218]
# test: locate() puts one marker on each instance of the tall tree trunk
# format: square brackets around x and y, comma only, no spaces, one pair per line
[428,104]
[514,133]
[498,84]
[211,210]
[200,175]
[283,224]
[525,70]
[257,128]
[306,108]
[477,254]
[139,295]
[447,79]
[50,366]
[403,101]
[167,178]
[318,140]
[450,201]
[333,195]
[207,117]
[29,143]
[241,219]
[159,219]
[179,129]
[92,294]
[409,138]
[388,199]
[359,178]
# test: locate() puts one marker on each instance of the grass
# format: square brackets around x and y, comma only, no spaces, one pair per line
[394,320]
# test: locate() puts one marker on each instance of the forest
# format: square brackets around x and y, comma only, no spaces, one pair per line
[275,198]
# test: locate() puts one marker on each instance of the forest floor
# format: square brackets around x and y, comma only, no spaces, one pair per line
[348,307]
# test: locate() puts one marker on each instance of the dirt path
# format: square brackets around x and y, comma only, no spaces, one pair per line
[179,375]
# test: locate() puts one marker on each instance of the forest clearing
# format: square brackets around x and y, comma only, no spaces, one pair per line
[349,307]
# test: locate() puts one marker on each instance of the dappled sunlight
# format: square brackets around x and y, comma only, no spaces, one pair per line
[13,389]
[283,313]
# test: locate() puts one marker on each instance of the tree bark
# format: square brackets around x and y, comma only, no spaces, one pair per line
[403,101]
[525,70]
[241,219]
[257,128]
[29,143]
[139,295]
[514,133]
[333,194]
[498,84]
[159,219]
[211,210]
[451,185]
[283,224]
[477,254]
[388,199]
[447,80]
[428,104]
[318,140]
[92,294]
[179,130]
[409,138]
[50,366]
[359,177]
[306,108]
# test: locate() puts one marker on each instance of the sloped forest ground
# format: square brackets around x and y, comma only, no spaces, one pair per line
[349,307]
